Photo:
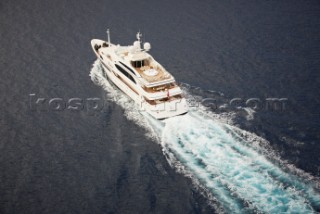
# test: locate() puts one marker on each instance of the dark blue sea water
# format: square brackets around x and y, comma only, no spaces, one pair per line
[104,161]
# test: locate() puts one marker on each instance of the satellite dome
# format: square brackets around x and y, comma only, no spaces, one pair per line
[147,46]
[136,45]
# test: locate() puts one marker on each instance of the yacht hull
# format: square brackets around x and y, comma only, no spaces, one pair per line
[159,111]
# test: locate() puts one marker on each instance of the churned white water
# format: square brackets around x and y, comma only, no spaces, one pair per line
[234,168]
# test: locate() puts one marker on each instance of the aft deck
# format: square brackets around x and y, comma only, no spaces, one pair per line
[160,88]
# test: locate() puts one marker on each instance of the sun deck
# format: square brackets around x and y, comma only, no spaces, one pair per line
[153,74]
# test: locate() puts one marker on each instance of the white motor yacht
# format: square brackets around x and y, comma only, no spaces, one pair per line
[133,70]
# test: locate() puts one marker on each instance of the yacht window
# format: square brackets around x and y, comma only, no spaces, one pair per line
[138,64]
[124,72]
[128,68]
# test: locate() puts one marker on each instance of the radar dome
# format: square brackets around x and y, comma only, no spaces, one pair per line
[147,46]
[136,45]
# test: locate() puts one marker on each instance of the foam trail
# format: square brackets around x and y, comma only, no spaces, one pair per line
[225,165]
[232,170]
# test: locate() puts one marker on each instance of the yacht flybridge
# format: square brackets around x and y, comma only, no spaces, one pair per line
[141,77]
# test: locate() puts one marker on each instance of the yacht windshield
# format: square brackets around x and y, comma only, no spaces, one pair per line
[139,63]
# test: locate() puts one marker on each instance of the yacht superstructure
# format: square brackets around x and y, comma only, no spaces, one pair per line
[133,70]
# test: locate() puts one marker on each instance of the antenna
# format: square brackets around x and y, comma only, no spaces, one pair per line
[144,37]
[108,32]
[139,35]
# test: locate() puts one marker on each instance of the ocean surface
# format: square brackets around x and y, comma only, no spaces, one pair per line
[216,159]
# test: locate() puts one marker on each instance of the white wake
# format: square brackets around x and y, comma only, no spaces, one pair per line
[232,167]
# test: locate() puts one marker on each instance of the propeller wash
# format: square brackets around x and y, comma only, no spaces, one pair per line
[235,169]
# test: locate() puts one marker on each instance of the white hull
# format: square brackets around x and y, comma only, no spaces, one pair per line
[160,110]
